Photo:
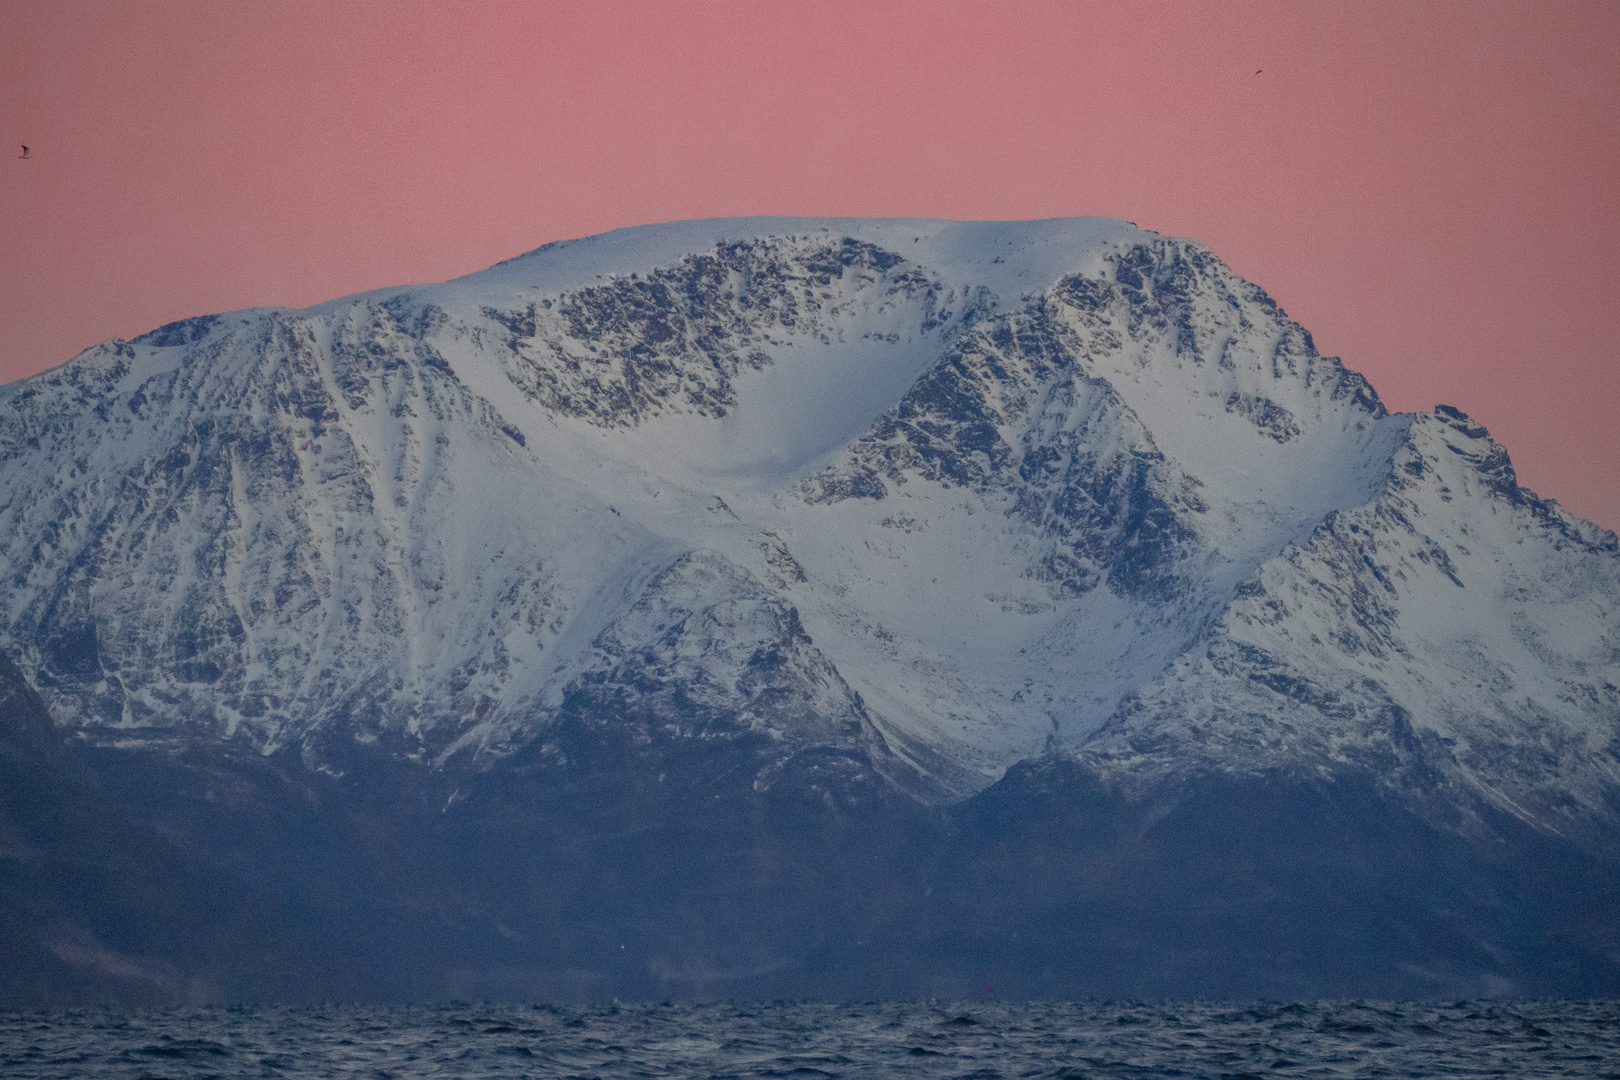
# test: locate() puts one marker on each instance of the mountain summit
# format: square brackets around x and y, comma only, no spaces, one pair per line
[951,531]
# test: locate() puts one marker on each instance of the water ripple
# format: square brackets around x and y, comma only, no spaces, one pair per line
[737,1042]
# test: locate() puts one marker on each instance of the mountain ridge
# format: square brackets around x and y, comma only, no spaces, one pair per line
[1034,412]
[786,606]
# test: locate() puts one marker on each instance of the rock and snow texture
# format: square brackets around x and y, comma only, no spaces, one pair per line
[950,494]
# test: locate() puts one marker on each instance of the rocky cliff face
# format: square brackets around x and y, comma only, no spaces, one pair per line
[861,512]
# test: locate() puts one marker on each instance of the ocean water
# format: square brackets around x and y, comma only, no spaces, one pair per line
[981,1039]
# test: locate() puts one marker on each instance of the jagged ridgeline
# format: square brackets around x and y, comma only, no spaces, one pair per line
[790,606]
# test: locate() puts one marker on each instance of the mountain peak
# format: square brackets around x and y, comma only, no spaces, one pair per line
[1019,485]
[822,607]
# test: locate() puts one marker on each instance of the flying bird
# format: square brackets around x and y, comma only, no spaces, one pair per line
[24,153]
[1258,72]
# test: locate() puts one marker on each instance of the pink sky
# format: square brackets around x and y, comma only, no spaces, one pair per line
[1432,189]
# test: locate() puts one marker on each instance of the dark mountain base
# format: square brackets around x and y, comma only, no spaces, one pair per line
[142,877]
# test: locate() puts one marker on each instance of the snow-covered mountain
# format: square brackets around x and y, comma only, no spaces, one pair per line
[791,607]
[953,495]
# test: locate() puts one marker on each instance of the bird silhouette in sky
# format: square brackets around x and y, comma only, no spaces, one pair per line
[24,153]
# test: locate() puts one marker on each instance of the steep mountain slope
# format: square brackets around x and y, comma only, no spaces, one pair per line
[851,549]
[1454,626]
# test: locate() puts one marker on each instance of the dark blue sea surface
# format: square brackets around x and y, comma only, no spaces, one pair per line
[1000,1039]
